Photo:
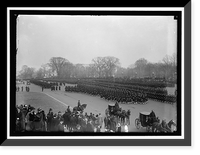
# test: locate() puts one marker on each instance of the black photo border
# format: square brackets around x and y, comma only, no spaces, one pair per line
[118,142]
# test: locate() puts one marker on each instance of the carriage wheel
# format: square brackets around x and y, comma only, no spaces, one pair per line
[137,123]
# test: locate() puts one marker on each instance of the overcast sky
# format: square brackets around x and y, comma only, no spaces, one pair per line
[82,38]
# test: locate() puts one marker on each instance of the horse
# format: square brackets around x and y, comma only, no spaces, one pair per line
[163,127]
[110,123]
[106,122]
[118,115]
[80,108]
[123,116]
[107,112]
[171,125]
[113,123]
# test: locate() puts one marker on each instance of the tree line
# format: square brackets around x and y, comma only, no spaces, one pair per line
[102,67]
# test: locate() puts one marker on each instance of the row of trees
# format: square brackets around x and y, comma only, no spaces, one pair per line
[101,67]
[142,68]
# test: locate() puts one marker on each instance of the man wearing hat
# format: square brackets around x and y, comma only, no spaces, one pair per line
[59,117]
[39,110]
[68,109]
[49,119]
[29,119]
[38,114]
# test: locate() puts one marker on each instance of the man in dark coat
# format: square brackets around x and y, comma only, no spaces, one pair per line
[90,127]
[49,119]
[32,115]
[152,117]
[68,109]
[79,106]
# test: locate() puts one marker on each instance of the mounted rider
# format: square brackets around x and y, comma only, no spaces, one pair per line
[79,106]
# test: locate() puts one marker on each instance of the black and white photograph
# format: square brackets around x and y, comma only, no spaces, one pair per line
[96,74]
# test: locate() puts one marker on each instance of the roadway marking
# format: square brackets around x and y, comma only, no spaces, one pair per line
[56,99]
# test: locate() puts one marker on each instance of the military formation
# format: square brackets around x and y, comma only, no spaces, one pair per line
[123,93]
[136,91]
[109,93]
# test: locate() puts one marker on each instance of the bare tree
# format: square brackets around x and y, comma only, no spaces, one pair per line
[99,65]
[57,64]
[167,64]
[66,70]
[26,72]
[120,72]
[92,70]
[110,64]
[79,71]
[140,66]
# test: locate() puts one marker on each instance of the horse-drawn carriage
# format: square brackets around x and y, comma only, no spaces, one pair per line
[143,121]
[114,115]
[152,123]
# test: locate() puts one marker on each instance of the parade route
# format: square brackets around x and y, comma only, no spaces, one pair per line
[59,100]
